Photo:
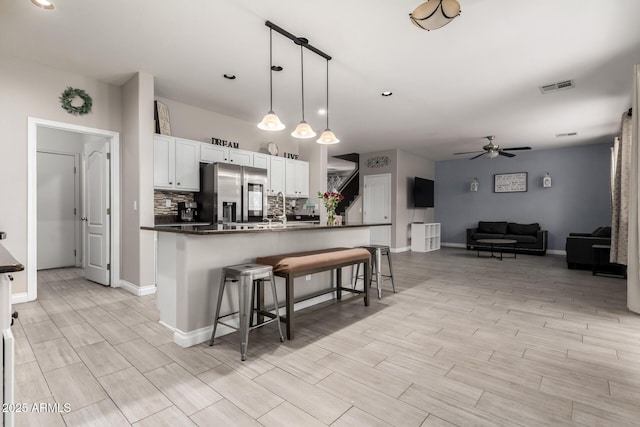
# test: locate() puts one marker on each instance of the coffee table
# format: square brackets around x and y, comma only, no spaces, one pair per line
[497,244]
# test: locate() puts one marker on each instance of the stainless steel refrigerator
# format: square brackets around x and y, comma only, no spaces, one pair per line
[232,193]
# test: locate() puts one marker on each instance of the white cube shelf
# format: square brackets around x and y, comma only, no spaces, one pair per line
[425,237]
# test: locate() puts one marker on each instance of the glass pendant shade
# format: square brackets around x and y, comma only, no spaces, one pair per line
[271,122]
[492,154]
[434,14]
[327,138]
[303,130]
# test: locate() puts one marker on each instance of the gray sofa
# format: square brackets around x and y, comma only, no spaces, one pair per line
[529,237]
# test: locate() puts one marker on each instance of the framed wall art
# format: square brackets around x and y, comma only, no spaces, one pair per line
[510,182]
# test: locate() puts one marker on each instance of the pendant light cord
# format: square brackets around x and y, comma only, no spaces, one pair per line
[302,78]
[327,94]
[270,69]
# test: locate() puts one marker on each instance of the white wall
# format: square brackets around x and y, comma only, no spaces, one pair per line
[60,140]
[30,89]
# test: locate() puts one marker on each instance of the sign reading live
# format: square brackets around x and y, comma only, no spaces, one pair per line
[291,156]
[224,143]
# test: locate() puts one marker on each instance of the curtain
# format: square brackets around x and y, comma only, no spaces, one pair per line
[620,188]
[633,268]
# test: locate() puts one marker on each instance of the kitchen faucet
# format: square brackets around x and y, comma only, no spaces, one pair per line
[283,217]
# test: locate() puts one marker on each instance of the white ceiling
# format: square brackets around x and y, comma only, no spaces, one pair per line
[451,87]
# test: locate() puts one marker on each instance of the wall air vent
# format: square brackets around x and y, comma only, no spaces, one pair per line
[562,135]
[555,87]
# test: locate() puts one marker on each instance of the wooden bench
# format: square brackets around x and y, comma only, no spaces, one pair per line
[290,266]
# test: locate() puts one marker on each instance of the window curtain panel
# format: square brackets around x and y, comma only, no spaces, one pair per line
[633,267]
[620,190]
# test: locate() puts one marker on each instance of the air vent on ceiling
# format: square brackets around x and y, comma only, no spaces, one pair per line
[561,135]
[554,87]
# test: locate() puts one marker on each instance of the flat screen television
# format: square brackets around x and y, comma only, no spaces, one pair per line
[422,193]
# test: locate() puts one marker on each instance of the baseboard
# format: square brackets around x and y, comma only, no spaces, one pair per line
[137,290]
[454,245]
[556,252]
[19,298]
[398,250]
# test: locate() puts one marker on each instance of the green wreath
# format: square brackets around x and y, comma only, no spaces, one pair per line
[67,98]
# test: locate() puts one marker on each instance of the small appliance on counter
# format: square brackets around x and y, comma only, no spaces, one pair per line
[187,211]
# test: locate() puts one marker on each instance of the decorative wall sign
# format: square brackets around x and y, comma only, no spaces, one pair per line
[378,162]
[67,97]
[510,182]
[161,114]
[272,147]
[290,156]
[224,143]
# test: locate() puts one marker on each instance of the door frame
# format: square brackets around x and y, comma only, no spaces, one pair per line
[77,224]
[33,124]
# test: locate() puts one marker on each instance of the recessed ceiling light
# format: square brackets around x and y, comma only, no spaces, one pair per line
[322,111]
[43,4]
[229,76]
[562,135]
[276,68]
[387,93]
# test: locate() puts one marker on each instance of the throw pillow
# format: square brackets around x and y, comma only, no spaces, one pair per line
[524,229]
[484,227]
[604,232]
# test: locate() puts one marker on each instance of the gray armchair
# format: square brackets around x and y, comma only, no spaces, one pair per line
[579,247]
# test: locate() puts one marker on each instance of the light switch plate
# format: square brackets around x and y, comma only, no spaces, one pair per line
[167,203]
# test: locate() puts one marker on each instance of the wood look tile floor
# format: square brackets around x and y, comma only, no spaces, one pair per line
[465,341]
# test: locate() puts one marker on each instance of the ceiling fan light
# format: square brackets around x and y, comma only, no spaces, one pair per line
[492,154]
[43,4]
[434,14]
[303,131]
[271,122]
[327,138]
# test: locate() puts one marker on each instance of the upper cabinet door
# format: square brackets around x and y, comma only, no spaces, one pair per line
[164,162]
[261,160]
[241,157]
[210,153]
[302,179]
[276,175]
[290,173]
[187,165]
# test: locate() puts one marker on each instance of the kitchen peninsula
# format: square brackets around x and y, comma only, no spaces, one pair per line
[190,259]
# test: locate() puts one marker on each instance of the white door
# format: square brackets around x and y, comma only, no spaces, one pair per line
[377,206]
[96,214]
[56,210]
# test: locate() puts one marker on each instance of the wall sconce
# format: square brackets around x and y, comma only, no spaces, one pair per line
[546,180]
[474,185]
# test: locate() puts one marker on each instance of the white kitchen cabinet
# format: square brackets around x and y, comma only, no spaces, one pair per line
[187,165]
[297,178]
[210,153]
[276,175]
[176,164]
[240,157]
[261,160]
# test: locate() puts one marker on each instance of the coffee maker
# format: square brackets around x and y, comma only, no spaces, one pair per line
[187,211]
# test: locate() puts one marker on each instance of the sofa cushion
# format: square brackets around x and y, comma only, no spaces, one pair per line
[524,229]
[478,236]
[496,227]
[521,238]
[603,232]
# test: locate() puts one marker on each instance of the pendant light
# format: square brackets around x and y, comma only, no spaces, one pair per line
[327,136]
[303,130]
[271,121]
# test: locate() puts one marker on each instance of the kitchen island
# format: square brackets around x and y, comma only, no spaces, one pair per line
[190,259]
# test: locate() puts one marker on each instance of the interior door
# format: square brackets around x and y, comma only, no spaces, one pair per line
[57,210]
[97,212]
[377,206]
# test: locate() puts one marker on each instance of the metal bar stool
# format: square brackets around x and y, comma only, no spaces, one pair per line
[376,260]
[247,276]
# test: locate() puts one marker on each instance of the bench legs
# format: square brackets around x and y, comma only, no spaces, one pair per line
[289,306]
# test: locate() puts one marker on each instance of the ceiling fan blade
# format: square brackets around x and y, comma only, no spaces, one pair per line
[468,152]
[517,148]
[502,153]
[475,157]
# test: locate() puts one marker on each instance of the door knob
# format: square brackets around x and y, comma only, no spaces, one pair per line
[84,218]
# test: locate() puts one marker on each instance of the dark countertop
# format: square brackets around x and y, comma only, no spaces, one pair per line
[251,228]
[8,264]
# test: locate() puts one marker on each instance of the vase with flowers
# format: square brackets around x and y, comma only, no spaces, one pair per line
[330,199]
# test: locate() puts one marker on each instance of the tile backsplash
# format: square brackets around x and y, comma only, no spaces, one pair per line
[159,201]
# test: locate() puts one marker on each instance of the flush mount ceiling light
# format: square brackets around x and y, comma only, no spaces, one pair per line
[327,136]
[43,4]
[271,121]
[434,14]
[386,93]
[303,130]
[229,76]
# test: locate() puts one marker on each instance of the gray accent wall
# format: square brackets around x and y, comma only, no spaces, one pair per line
[578,200]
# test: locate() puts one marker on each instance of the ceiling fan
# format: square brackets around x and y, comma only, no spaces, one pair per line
[492,150]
